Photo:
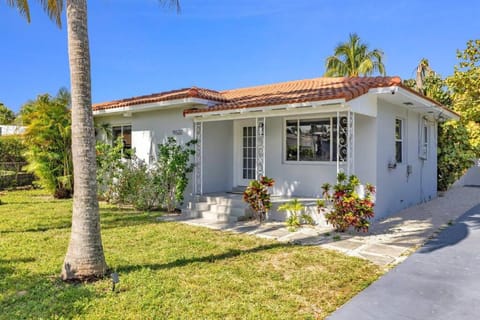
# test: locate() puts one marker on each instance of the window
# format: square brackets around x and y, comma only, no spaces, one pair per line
[423,140]
[311,139]
[126,133]
[399,140]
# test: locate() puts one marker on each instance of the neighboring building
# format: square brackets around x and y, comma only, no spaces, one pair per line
[6,130]
[301,133]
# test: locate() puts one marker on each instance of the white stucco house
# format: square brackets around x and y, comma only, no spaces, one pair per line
[301,133]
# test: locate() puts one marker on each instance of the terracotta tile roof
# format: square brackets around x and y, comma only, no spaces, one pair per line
[192,92]
[316,89]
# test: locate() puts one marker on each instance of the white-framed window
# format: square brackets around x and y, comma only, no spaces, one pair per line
[311,140]
[124,131]
[423,141]
[399,137]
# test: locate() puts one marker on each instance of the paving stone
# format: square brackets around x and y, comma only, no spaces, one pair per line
[377,259]
[381,249]
[347,245]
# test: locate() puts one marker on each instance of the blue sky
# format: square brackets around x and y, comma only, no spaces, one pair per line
[139,47]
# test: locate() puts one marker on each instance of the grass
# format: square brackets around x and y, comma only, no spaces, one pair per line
[167,270]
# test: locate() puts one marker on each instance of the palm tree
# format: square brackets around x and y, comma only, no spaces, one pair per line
[353,59]
[422,72]
[85,258]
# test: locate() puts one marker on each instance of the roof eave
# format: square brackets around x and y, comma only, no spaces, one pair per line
[167,104]
[278,109]
[421,99]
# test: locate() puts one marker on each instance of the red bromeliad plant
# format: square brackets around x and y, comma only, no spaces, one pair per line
[348,207]
[258,197]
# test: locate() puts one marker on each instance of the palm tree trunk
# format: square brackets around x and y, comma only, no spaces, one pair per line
[85,258]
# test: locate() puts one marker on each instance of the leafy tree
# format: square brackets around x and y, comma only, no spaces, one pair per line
[85,258]
[48,139]
[464,85]
[353,58]
[7,116]
[12,149]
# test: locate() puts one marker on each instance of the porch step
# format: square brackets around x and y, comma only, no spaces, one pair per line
[221,208]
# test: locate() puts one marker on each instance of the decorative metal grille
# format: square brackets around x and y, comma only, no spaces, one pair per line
[198,158]
[345,142]
[260,162]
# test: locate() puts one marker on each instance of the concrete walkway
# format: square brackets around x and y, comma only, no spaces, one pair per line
[388,242]
[439,281]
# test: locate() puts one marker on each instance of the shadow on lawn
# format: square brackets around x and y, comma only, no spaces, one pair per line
[126,218]
[231,253]
[39,296]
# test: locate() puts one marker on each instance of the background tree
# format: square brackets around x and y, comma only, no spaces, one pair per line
[464,85]
[85,258]
[48,140]
[7,116]
[353,58]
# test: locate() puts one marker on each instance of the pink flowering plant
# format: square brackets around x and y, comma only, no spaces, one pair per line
[348,208]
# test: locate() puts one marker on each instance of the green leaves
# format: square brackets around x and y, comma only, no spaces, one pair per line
[348,208]
[455,153]
[258,197]
[48,140]
[174,166]
[353,59]
[7,116]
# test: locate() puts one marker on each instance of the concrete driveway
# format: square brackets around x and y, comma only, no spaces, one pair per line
[439,281]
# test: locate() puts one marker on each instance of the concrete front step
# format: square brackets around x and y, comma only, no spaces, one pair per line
[229,207]
[227,201]
[220,217]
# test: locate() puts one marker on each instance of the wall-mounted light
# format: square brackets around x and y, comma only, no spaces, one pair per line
[261,129]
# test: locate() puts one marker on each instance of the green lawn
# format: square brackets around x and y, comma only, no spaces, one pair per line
[167,270]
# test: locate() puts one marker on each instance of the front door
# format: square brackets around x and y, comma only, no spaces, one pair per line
[246,149]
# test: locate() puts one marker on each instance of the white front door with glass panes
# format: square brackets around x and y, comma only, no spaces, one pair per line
[245,152]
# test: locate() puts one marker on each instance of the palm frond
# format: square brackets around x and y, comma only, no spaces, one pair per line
[22,7]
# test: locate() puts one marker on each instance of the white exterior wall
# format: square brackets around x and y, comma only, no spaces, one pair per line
[365,167]
[217,156]
[152,128]
[396,189]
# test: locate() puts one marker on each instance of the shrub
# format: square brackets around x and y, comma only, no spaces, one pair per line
[132,181]
[109,168]
[258,197]
[348,208]
[136,185]
[296,215]
[455,153]
[172,169]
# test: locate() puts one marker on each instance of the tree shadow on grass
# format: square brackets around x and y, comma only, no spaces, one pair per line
[127,217]
[62,224]
[212,258]
[39,296]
